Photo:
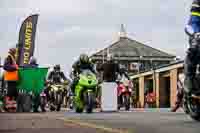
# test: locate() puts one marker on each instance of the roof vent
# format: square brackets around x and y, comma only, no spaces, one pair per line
[122,33]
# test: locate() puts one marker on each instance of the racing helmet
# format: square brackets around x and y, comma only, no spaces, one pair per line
[84,58]
[57,67]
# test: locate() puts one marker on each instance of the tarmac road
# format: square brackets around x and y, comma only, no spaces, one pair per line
[136,121]
[141,121]
[49,122]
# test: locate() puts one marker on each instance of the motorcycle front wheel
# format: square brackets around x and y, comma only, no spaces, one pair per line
[52,101]
[58,101]
[127,102]
[194,108]
[89,102]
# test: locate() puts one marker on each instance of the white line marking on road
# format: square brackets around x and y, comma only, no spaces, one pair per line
[85,124]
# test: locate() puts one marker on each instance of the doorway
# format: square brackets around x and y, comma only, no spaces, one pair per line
[164,92]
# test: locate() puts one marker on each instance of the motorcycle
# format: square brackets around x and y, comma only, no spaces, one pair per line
[191,102]
[85,91]
[56,96]
[124,91]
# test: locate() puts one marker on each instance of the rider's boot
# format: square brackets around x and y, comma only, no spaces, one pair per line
[177,105]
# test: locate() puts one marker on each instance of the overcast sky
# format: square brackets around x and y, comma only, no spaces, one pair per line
[67,28]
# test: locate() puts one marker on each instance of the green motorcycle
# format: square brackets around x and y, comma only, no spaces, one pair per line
[85,91]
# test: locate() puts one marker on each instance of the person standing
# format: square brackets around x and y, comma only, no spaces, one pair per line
[110,71]
[180,93]
[11,74]
[36,98]
[11,77]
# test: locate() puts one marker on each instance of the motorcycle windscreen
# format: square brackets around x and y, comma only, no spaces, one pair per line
[109,96]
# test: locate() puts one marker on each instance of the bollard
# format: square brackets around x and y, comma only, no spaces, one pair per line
[109,97]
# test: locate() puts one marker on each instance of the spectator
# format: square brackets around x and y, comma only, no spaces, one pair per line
[110,70]
[179,96]
[11,74]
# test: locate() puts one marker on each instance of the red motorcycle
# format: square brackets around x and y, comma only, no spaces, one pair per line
[124,91]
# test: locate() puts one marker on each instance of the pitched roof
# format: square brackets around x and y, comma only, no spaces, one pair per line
[127,47]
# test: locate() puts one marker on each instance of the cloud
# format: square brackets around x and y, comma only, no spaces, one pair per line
[67,28]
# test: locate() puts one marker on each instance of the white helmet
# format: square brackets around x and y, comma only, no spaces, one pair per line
[33,60]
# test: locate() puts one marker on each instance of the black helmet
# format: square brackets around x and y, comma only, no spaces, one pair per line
[57,67]
[84,58]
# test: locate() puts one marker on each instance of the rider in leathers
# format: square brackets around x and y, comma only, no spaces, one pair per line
[56,76]
[82,63]
[193,54]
